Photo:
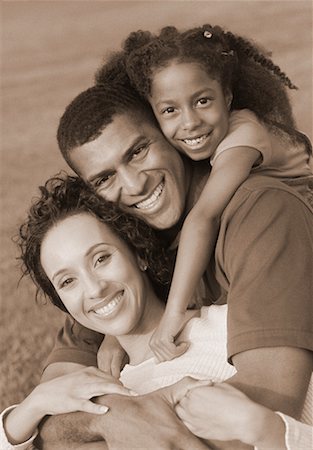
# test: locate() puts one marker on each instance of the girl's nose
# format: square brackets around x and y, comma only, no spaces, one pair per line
[190,120]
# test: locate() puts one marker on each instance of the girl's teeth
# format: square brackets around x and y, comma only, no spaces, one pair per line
[196,141]
[107,309]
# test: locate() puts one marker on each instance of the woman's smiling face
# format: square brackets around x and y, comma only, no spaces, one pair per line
[95,274]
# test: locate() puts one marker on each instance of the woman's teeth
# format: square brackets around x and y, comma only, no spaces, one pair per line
[152,199]
[107,309]
[195,141]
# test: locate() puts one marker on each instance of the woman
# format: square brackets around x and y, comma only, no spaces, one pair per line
[107,270]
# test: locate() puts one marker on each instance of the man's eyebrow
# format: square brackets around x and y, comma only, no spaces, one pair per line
[125,158]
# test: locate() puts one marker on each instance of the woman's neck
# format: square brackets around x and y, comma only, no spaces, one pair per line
[136,343]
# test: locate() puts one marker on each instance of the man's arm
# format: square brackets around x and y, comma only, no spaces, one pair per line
[147,421]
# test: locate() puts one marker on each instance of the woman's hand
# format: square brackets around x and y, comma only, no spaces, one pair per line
[221,412]
[65,394]
[73,392]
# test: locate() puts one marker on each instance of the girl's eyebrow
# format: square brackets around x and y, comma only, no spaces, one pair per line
[195,94]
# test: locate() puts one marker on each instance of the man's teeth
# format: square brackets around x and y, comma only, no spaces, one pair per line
[195,141]
[107,309]
[152,199]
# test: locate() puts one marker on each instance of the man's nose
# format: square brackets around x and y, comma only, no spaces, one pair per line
[190,119]
[132,181]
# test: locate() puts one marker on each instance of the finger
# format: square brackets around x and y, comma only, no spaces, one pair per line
[104,361]
[93,408]
[108,388]
[176,350]
[116,364]
[172,351]
[176,392]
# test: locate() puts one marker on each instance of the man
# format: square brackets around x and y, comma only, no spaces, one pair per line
[263,264]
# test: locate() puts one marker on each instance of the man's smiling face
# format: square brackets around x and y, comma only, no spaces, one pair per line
[132,164]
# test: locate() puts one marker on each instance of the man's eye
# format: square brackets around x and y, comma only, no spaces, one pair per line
[103,180]
[140,151]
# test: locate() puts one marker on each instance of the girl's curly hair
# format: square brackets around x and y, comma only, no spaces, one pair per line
[65,195]
[238,64]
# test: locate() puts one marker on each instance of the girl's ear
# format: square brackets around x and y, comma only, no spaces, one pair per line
[142,264]
[228,98]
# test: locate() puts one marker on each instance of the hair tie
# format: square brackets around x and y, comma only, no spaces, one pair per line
[207,34]
[229,53]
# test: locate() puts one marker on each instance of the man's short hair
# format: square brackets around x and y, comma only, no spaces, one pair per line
[92,110]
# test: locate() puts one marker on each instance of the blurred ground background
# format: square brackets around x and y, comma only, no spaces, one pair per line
[49,52]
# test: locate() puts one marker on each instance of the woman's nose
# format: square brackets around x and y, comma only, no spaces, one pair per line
[94,286]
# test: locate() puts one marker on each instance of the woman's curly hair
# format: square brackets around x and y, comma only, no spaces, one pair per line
[238,64]
[64,196]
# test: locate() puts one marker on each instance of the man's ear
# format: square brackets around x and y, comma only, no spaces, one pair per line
[142,263]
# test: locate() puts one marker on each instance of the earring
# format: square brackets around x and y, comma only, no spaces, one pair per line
[143,267]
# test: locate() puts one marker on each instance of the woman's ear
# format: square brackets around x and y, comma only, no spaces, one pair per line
[142,264]
[228,98]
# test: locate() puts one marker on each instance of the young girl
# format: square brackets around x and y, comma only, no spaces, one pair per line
[216,96]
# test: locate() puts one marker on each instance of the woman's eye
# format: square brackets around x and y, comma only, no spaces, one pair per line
[102,259]
[66,283]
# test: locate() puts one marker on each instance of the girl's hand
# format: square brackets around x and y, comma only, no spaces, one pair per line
[224,413]
[163,343]
[111,356]
[73,392]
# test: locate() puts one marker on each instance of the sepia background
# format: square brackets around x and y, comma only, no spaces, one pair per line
[49,53]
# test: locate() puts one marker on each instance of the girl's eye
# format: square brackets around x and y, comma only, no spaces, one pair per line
[168,110]
[204,101]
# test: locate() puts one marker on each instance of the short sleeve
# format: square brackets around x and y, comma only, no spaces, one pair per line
[298,436]
[5,444]
[245,130]
[264,255]
[75,343]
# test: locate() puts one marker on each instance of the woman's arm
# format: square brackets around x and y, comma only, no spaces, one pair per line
[197,243]
[61,395]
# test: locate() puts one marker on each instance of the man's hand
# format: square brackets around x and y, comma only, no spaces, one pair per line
[144,422]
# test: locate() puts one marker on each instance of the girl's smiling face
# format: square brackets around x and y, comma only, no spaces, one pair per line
[191,108]
[95,274]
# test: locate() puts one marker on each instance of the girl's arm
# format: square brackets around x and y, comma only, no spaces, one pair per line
[197,242]
[61,395]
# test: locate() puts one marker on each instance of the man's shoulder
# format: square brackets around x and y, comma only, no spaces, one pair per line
[270,190]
